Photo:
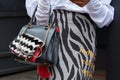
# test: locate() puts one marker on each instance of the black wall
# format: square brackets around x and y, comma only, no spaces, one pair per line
[113,53]
[12,17]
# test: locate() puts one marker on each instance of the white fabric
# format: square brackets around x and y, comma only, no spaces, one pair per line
[100,11]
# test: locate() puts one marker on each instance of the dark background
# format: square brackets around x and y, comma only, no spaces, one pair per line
[113,52]
[12,17]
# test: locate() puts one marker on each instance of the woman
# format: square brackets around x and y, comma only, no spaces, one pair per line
[77,22]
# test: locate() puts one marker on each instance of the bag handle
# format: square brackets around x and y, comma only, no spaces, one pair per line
[33,19]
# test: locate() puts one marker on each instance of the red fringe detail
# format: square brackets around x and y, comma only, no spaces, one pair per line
[57,29]
[43,71]
[36,54]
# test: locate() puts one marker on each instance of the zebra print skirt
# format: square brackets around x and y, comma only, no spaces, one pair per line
[77,47]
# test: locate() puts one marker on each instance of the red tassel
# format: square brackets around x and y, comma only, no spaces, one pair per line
[43,71]
[36,54]
[57,29]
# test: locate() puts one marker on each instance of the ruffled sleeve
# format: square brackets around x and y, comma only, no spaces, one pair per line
[30,6]
[43,11]
[101,12]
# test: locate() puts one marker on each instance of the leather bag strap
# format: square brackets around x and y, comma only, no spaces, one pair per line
[33,19]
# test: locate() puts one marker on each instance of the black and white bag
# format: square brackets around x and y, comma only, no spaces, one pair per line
[37,44]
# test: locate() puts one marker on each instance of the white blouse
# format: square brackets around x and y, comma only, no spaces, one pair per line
[100,11]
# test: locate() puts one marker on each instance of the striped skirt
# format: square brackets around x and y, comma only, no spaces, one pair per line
[77,47]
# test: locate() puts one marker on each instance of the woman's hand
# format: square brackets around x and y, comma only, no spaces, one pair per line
[80,2]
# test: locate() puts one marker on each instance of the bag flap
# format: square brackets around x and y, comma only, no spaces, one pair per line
[39,32]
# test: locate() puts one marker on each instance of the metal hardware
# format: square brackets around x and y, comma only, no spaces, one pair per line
[29,25]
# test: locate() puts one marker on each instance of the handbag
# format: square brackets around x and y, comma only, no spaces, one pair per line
[36,44]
